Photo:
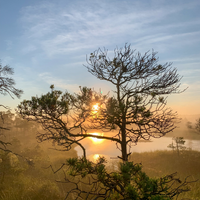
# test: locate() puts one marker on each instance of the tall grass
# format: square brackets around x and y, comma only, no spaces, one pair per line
[160,163]
[32,182]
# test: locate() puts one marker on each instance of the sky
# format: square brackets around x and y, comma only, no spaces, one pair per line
[46,42]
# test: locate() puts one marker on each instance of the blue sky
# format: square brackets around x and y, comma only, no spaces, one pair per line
[46,42]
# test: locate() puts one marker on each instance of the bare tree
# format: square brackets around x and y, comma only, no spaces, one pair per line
[194,127]
[138,107]
[7,86]
[137,110]
[179,144]
[197,126]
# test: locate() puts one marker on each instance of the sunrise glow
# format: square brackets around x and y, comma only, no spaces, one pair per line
[96,140]
[95,108]
[96,157]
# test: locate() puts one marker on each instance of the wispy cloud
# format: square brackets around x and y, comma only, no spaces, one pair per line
[58,30]
[58,83]
[54,37]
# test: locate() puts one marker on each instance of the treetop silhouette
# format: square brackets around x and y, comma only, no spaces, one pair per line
[137,110]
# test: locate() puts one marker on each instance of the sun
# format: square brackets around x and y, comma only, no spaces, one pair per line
[96,140]
[95,108]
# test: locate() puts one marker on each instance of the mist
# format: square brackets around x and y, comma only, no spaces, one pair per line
[28,163]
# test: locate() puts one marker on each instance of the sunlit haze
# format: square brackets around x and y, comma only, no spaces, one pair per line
[46,42]
[96,140]
[95,107]
[100,125]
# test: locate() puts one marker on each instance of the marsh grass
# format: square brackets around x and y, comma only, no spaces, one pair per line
[34,182]
[26,182]
[160,163]
[37,183]
[27,187]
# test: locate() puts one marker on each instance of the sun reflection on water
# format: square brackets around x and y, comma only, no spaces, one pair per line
[95,157]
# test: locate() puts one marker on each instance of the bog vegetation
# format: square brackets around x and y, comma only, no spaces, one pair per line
[28,177]
[136,111]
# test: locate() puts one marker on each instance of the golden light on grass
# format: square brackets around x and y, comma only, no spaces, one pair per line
[96,140]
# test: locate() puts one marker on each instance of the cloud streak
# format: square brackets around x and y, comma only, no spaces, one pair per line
[59,30]
[48,43]
[58,83]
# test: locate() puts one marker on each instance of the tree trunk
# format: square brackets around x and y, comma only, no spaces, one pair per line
[123,144]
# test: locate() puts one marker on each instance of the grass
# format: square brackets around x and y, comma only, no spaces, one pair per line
[32,182]
[35,182]
[160,163]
